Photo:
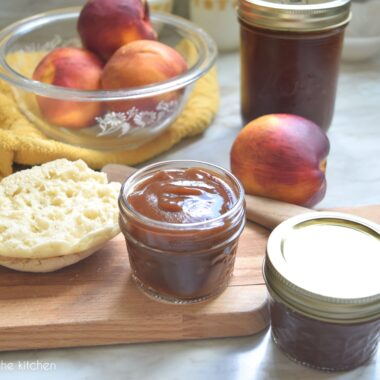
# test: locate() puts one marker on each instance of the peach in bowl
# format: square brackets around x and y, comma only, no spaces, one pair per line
[77,96]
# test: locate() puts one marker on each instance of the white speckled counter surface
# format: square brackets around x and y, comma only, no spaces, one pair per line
[353,179]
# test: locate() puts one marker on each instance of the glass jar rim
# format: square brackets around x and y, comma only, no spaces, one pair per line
[124,207]
[207,57]
[295,17]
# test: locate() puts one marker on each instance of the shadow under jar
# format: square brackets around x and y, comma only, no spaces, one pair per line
[321,271]
[182,221]
[290,55]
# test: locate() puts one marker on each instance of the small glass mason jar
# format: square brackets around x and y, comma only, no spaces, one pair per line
[290,55]
[322,273]
[181,262]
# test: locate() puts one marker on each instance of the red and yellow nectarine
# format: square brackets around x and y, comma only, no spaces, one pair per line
[141,63]
[73,68]
[106,25]
[282,157]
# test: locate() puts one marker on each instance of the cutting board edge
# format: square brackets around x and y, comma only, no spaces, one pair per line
[115,332]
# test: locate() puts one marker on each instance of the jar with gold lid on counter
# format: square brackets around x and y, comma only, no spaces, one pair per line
[322,273]
[290,55]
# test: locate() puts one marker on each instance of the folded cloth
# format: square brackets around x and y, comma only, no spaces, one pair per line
[21,142]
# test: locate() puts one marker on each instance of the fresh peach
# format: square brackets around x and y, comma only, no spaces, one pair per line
[283,157]
[142,63]
[73,68]
[106,25]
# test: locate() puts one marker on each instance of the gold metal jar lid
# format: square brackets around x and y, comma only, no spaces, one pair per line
[295,15]
[326,265]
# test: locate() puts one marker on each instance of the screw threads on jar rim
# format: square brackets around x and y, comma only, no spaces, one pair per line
[280,270]
[293,17]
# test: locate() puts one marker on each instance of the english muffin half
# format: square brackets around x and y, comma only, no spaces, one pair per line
[55,215]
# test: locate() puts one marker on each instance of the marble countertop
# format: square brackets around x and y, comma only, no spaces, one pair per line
[353,177]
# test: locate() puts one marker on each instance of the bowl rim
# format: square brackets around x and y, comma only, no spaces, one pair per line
[207,53]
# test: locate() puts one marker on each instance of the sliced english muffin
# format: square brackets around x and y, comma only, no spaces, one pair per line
[54,215]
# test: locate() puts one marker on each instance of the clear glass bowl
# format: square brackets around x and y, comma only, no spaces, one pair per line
[24,43]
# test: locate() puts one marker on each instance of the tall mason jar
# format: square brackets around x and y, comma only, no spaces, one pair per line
[290,55]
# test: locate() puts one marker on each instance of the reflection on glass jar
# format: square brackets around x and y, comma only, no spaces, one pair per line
[182,221]
[320,344]
[290,54]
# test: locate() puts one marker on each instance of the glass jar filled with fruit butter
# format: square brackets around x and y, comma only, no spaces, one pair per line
[182,221]
[322,273]
[290,54]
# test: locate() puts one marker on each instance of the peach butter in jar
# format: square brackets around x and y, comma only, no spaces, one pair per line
[290,55]
[322,273]
[182,221]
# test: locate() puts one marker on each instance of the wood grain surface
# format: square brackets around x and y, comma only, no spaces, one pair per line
[95,301]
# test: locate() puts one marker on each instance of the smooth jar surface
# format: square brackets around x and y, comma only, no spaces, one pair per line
[322,345]
[181,262]
[289,72]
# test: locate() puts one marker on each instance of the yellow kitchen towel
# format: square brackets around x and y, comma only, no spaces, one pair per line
[22,143]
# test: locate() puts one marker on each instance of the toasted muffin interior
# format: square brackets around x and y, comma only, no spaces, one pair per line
[57,209]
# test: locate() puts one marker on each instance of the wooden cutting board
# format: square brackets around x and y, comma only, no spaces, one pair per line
[95,302]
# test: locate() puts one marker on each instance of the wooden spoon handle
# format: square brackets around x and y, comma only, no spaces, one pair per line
[263,211]
[268,212]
